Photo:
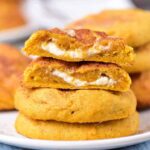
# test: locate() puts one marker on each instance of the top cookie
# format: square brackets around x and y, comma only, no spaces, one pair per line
[132,24]
[79,45]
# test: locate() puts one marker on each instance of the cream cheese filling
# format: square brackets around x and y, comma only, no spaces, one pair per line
[71,32]
[102,80]
[52,48]
[55,50]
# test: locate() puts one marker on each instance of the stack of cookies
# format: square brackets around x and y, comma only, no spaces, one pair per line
[134,26]
[77,89]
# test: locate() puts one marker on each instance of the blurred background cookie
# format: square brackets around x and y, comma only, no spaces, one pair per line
[12,64]
[142,61]
[122,23]
[11,14]
[141,88]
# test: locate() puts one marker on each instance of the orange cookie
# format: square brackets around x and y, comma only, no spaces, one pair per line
[72,106]
[141,87]
[12,65]
[142,60]
[52,73]
[79,45]
[53,130]
[11,15]
[131,24]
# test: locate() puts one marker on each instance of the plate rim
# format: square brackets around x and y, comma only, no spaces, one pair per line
[43,144]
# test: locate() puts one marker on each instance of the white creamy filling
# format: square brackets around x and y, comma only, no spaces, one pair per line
[55,50]
[71,32]
[102,80]
[52,48]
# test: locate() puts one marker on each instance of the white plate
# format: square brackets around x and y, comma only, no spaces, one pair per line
[9,136]
[18,33]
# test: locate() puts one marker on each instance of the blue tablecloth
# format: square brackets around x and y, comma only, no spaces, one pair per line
[142,146]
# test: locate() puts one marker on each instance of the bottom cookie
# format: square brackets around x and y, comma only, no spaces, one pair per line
[141,88]
[52,130]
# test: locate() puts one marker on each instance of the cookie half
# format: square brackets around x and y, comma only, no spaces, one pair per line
[79,45]
[74,105]
[47,72]
[52,130]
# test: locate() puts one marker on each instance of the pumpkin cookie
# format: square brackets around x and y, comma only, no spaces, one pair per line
[79,45]
[48,72]
[142,60]
[74,105]
[141,88]
[131,24]
[12,65]
[52,130]
[11,14]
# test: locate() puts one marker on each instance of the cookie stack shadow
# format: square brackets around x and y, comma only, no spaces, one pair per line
[77,89]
